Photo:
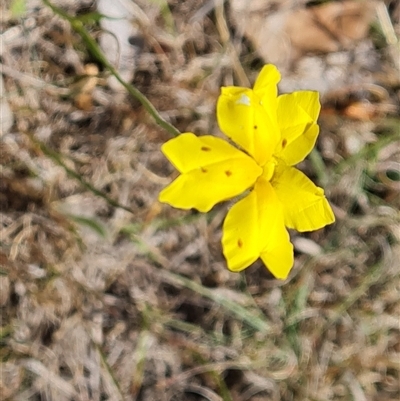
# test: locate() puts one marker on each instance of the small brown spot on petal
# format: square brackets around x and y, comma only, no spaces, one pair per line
[205,148]
[228,173]
[255,127]
[203,170]
[284,142]
[240,243]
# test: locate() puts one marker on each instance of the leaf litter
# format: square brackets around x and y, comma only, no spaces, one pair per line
[101,302]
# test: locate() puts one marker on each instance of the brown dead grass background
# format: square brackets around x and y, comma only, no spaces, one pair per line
[101,303]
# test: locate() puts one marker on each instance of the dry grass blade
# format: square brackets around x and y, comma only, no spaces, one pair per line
[204,392]
[107,294]
[220,298]
[50,379]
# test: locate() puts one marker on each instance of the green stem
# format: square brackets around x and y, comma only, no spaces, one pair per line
[73,174]
[319,167]
[109,370]
[94,48]
[372,278]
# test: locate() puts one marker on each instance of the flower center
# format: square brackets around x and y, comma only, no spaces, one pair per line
[269,168]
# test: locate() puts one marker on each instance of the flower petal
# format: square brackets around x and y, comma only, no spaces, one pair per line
[254,227]
[278,255]
[297,114]
[291,115]
[240,234]
[309,102]
[212,171]
[249,117]
[297,151]
[188,151]
[268,76]
[304,204]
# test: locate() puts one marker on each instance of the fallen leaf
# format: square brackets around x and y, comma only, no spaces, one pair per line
[283,32]
[330,27]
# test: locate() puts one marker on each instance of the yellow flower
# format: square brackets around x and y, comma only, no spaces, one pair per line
[273,133]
